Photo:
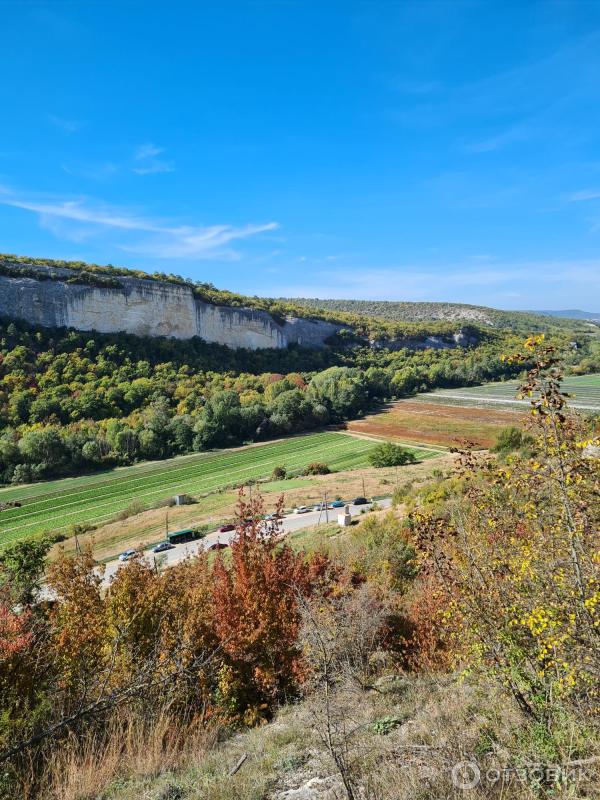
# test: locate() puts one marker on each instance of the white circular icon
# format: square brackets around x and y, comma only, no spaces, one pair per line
[466,775]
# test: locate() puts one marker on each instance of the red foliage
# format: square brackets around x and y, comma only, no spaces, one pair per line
[256,610]
[426,642]
[15,636]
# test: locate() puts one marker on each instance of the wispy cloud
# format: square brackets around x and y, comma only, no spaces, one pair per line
[584,194]
[83,218]
[66,125]
[533,100]
[511,135]
[148,162]
[91,171]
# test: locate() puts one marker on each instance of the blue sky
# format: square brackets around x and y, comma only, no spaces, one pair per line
[407,151]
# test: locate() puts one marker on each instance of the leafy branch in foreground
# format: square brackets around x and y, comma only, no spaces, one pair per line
[518,555]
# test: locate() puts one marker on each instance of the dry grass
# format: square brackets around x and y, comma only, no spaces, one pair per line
[129,750]
[410,732]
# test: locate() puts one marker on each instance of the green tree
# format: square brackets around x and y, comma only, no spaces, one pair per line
[22,567]
[391,455]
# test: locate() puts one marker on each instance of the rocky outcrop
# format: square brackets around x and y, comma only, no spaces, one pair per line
[151,308]
[461,338]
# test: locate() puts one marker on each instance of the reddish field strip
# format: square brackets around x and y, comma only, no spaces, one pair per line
[433,423]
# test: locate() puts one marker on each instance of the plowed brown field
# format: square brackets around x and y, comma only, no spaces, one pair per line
[432,423]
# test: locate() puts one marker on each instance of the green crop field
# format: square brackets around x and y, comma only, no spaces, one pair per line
[55,505]
[584,388]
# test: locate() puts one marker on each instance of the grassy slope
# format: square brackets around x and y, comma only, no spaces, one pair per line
[406,736]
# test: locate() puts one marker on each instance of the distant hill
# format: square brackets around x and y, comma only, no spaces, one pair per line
[572,313]
[401,311]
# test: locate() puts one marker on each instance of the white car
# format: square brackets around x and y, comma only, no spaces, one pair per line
[302,510]
[127,555]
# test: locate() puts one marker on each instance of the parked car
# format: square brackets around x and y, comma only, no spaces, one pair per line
[217,546]
[226,528]
[301,510]
[360,501]
[127,555]
[338,504]
[322,506]
[160,548]
[270,517]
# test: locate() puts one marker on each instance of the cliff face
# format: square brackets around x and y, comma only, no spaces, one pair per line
[151,308]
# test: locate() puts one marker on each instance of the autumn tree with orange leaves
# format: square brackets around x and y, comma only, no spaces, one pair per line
[256,614]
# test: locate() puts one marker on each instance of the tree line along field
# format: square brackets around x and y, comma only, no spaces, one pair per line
[56,505]
[584,388]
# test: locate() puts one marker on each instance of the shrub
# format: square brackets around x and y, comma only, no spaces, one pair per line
[391,455]
[317,468]
[279,473]
[510,439]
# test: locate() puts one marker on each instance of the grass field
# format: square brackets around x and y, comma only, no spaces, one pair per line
[584,388]
[56,505]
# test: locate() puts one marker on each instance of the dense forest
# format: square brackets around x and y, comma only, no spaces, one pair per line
[73,401]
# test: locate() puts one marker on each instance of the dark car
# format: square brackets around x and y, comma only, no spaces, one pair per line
[360,501]
[160,548]
[226,528]
[217,546]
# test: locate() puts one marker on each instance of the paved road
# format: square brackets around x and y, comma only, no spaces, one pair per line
[290,523]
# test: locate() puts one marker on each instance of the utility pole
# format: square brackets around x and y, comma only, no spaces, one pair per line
[363,485]
[326,509]
[166,524]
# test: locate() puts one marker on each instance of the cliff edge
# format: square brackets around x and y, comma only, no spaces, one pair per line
[149,308]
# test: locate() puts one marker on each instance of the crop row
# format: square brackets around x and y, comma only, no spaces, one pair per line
[99,503]
[126,482]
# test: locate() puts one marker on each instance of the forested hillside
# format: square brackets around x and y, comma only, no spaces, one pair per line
[394,311]
[72,402]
